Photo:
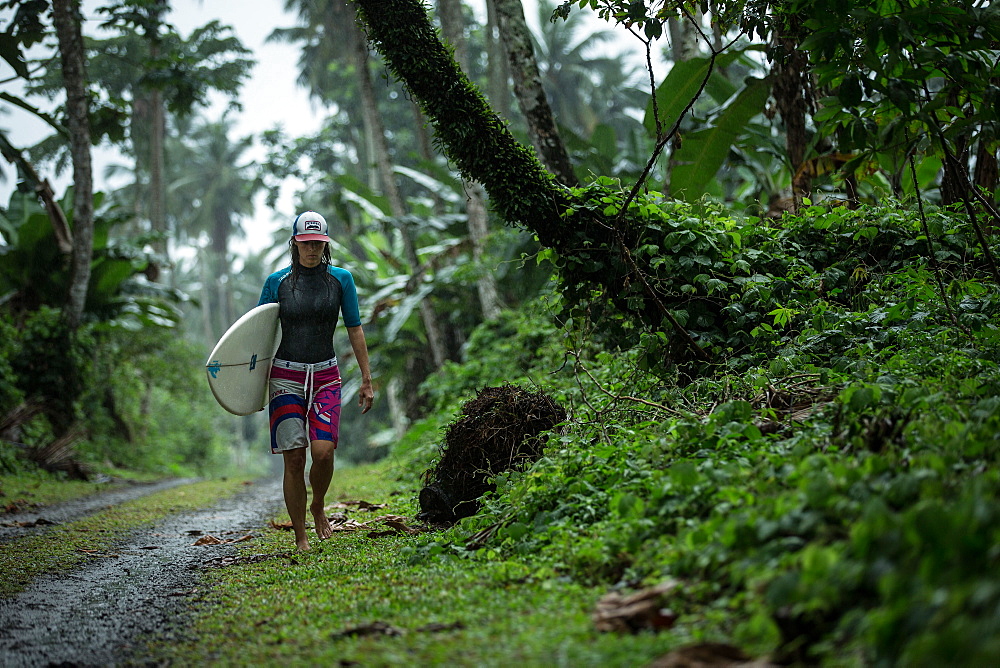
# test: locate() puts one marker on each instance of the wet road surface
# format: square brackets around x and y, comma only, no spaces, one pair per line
[98,614]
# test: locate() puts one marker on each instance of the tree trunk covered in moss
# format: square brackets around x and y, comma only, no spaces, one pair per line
[387,176]
[598,271]
[470,134]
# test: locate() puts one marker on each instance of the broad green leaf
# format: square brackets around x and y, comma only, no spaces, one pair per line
[397,284]
[405,309]
[107,277]
[850,91]
[704,152]
[442,190]
[357,192]
[603,140]
[682,84]
[927,173]
[674,94]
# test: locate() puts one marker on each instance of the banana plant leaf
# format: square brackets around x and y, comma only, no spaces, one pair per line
[703,152]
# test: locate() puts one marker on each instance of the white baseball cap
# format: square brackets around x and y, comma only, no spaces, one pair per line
[310,226]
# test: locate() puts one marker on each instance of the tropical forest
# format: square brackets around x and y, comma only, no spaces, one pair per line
[683,322]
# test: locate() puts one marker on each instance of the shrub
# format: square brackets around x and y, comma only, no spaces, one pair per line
[830,493]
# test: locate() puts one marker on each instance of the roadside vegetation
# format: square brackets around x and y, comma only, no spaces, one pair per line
[359,599]
[829,495]
[35,488]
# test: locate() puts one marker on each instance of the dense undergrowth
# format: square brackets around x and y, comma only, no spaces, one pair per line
[826,491]
[138,404]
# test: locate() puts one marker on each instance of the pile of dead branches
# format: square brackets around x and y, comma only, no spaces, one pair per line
[55,456]
[499,430]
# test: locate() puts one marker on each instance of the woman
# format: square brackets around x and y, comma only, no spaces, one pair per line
[304,386]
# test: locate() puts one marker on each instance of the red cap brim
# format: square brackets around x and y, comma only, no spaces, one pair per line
[312,237]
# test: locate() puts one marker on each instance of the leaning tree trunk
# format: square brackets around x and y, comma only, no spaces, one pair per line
[450,13]
[486,284]
[42,188]
[521,190]
[67,19]
[530,94]
[472,136]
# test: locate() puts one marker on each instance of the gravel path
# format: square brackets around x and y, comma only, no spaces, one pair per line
[96,615]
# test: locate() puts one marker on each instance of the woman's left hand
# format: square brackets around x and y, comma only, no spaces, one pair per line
[366,396]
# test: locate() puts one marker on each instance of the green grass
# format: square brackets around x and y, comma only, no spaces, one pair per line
[293,608]
[61,549]
[30,490]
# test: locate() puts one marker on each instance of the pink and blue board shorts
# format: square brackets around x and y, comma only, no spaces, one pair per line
[291,388]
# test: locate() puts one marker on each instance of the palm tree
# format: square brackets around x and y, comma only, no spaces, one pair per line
[161,74]
[322,39]
[211,193]
[586,86]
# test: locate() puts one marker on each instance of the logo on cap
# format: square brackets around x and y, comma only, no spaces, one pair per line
[312,226]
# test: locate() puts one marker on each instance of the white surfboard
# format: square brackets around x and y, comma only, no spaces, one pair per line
[241,361]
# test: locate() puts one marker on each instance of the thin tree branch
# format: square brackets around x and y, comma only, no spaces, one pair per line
[958,172]
[930,243]
[60,226]
[627,255]
[959,175]
[35,111]
[662,141]
[621,397]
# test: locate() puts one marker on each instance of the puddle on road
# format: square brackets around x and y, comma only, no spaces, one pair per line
[96,614]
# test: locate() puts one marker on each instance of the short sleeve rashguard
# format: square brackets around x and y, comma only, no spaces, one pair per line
[309,308]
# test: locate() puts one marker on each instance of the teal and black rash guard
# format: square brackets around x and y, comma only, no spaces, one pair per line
[309,310]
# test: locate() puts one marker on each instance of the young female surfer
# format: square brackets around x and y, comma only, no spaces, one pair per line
[304,386]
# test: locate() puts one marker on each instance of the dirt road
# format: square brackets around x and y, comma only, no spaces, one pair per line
[101,613]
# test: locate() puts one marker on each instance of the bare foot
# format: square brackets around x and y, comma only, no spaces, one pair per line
[323,529]
[302,545]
